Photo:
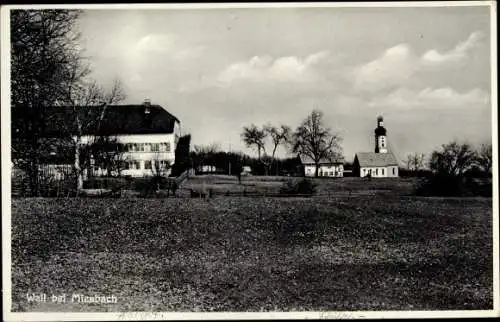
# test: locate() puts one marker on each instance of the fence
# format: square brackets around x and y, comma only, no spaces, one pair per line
[53,180]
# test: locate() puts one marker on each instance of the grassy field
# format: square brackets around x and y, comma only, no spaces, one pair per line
[336,252]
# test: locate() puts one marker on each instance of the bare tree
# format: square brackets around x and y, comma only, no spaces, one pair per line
[313,139]
[254,137]
[160,170]
[278,136]
[43,43]
[415,161]
[89,101]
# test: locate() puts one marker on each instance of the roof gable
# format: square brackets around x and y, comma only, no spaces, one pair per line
[117,119]
[308,160]
[372,159]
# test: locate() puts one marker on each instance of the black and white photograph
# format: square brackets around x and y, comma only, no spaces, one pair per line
[263,160]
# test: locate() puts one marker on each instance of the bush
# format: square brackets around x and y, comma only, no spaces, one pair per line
[106,183]
[149,186]
[301,187]
[453,186]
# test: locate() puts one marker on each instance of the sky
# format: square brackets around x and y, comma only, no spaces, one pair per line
[425,70]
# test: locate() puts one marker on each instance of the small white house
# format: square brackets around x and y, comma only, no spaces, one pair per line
[327,167]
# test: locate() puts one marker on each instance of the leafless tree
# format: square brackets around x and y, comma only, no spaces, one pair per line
[89,101]
[43,43]
[415,161]
[313,139]
[278,136]
[256,137]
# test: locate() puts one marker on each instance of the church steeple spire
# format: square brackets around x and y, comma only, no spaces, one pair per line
[380,136]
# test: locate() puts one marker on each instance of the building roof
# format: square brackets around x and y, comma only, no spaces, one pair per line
[372,159]
[117,119]
[307,160]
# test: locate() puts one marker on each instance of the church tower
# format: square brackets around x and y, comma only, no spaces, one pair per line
[380,136]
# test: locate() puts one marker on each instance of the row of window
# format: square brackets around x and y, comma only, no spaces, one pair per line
[147,147]
[146,165]
[370,172]
[327,173]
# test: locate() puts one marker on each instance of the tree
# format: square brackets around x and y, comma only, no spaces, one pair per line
[253,136]
[43,44]
[104,152]
[183,160]
[484,158]
[278,136]
[454,159]
[313,139]
[415,161]
[204,153]
[89,101]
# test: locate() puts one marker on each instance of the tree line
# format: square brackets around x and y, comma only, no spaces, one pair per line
[48,69]
[312,139]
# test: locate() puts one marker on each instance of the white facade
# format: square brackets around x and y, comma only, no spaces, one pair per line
[143,151]
[379,172]
[325,170]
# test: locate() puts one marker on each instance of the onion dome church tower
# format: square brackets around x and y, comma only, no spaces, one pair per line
[380,136]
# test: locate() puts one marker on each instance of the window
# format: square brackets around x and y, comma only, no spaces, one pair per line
[147,164]
[167,147]
[394,171]
[376,172]
[135,147]
[382,171]
[155,147]
[147,147]
[140,147]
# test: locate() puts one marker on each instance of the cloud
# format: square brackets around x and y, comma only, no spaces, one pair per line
[429,98]
[399,64]
[455,55]
[155,43]
[282,69]
[392,68]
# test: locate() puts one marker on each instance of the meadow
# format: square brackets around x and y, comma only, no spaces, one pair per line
[377,248]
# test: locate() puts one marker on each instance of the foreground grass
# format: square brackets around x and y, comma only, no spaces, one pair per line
[255,254]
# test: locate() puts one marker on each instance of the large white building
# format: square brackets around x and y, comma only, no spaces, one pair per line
[382,162]
[148,135]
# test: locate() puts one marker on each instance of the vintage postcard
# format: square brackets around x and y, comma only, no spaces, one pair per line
[249,161]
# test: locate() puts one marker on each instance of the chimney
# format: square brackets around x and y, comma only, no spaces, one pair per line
[147,104]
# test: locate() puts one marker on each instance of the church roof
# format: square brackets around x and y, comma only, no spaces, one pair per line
[372,159]
[307,160]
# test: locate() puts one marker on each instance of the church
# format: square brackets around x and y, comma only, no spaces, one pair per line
[379,164]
